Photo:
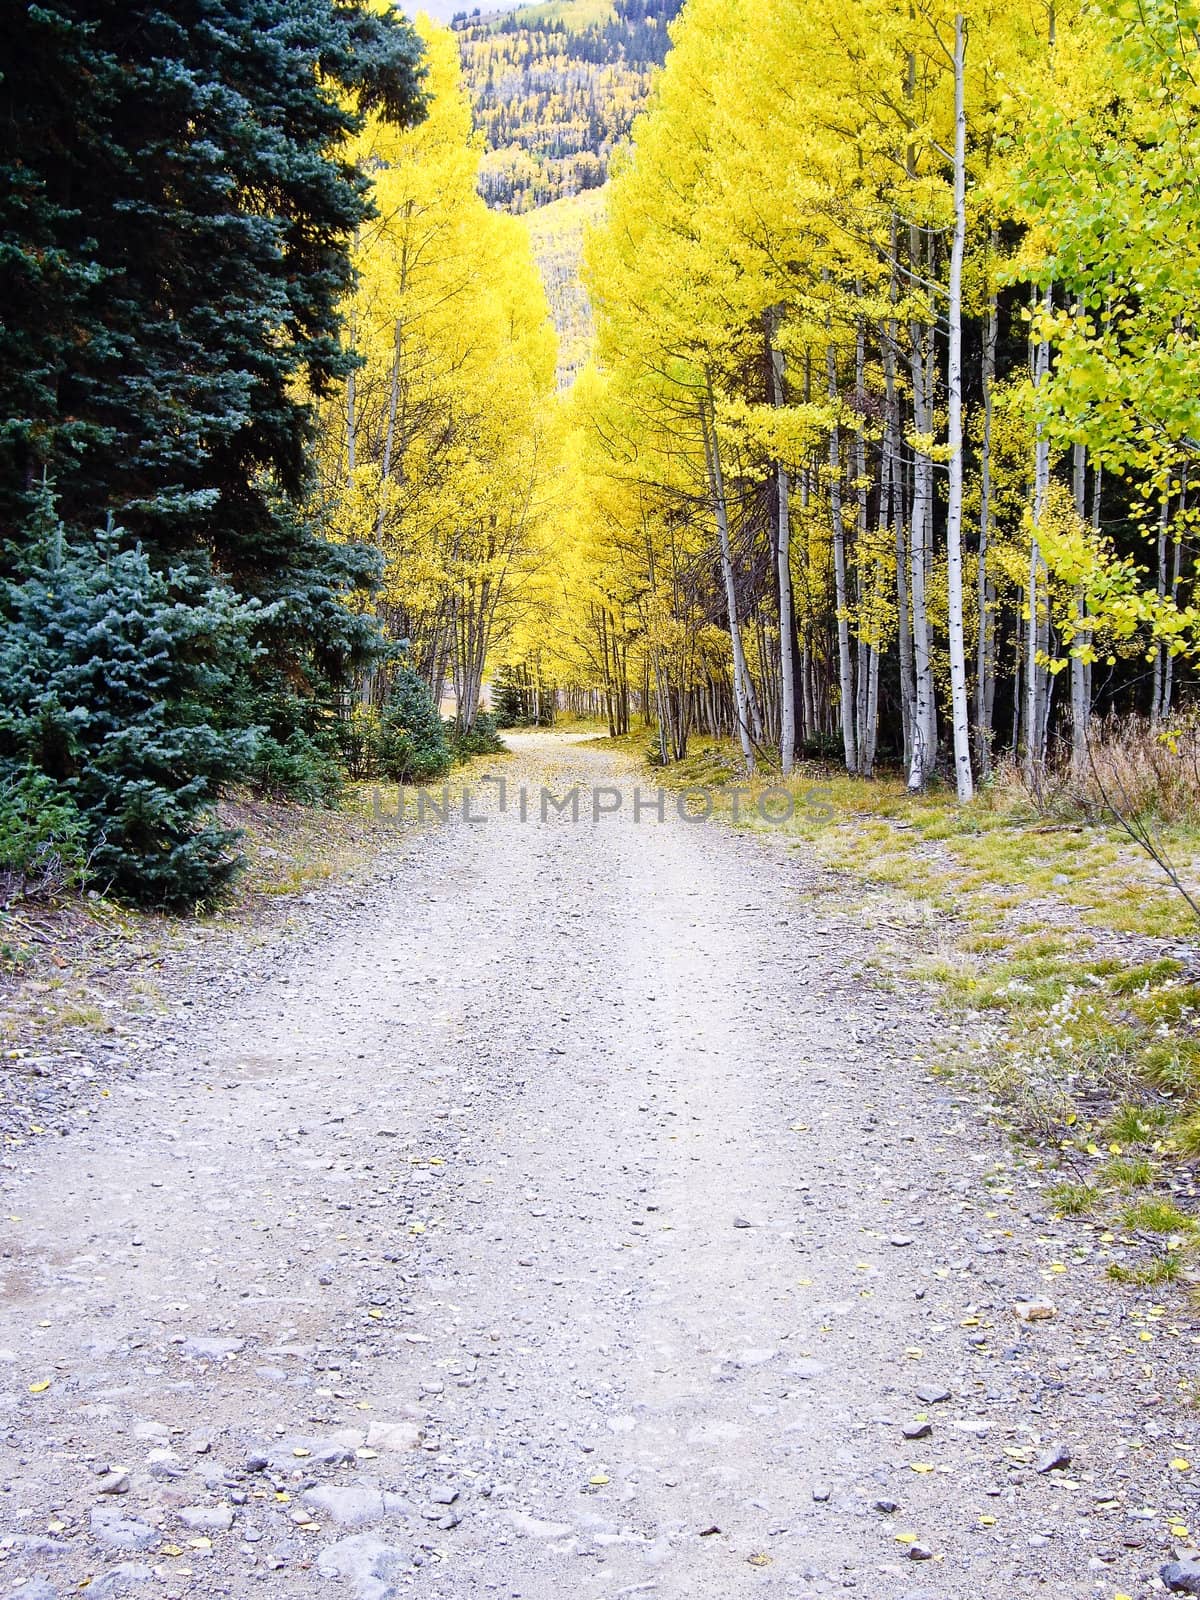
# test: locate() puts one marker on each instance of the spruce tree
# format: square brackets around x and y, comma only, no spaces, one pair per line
[175,227]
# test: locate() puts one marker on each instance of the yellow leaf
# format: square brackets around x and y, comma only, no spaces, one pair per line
[40,1387]
[1181,1465]
[169,1550]
[598,1478]
[300,1451]
[921,1466]
[759,1561]
[906,1538]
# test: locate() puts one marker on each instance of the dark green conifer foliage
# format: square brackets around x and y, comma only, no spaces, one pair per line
[174,231]
[111,669]
[413,747]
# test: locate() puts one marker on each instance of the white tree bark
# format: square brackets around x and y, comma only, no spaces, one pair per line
[787,678]
[845,664]
[716,482]
[1035,699]
[1080,709]
[985,658]
[964,783]
[924,749]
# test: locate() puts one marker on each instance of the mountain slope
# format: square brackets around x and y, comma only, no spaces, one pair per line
[555,88]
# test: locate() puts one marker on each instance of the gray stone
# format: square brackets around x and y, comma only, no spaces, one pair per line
[35,1589]
[326,1452]
[349,1505]
[206,1519]
[1182,1577]
[393,1436]
[920,1552]
[213,1349]
[373,1568]
[918,1430]
[119,1581]
[113,1483]
[121,1533]
[37,1544]
[932,1394]
[1053,1457]
[807,1367]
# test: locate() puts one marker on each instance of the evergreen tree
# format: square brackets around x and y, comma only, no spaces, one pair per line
[412,742]
[175,231]
[111,670]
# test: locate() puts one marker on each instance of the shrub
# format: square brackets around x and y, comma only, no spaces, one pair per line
[481,739]
[42,835]
[412,746]
[295,768]
[358,738]
[111,671]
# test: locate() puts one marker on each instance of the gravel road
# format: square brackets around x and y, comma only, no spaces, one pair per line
[571,1214]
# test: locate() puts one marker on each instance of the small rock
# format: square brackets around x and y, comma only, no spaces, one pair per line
[206,1519]
[34,1589]
[1034,1310]
[118,1581]
[213,1349]
[394,1436]
[821,1493]
[918,1430]
[1182,1577]
[1052,1458]
[807,1367]
[901,1241]
[113,1483]
[349,1505]
[930,1394]
[887,1507]
[740,1222]
[444,1497]
[372,1567]
[919,1552]
[120,1533]
[165,1464]
[256,1463]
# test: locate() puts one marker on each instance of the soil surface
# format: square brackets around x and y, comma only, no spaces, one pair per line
[566,1210]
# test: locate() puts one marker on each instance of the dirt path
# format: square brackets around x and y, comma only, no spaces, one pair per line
[572,1219]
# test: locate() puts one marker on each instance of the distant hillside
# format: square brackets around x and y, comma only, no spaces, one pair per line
[555,87]
[556,232]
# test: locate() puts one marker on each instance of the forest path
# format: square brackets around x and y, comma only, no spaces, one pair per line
[572,1218]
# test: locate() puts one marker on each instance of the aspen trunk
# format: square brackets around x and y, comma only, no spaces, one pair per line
[925,710]
[720,511]
[1079,696]
[783,559]
[892,456]
[985,648]
[964,782]
[1035,698]
[845,664]
[1156,699]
